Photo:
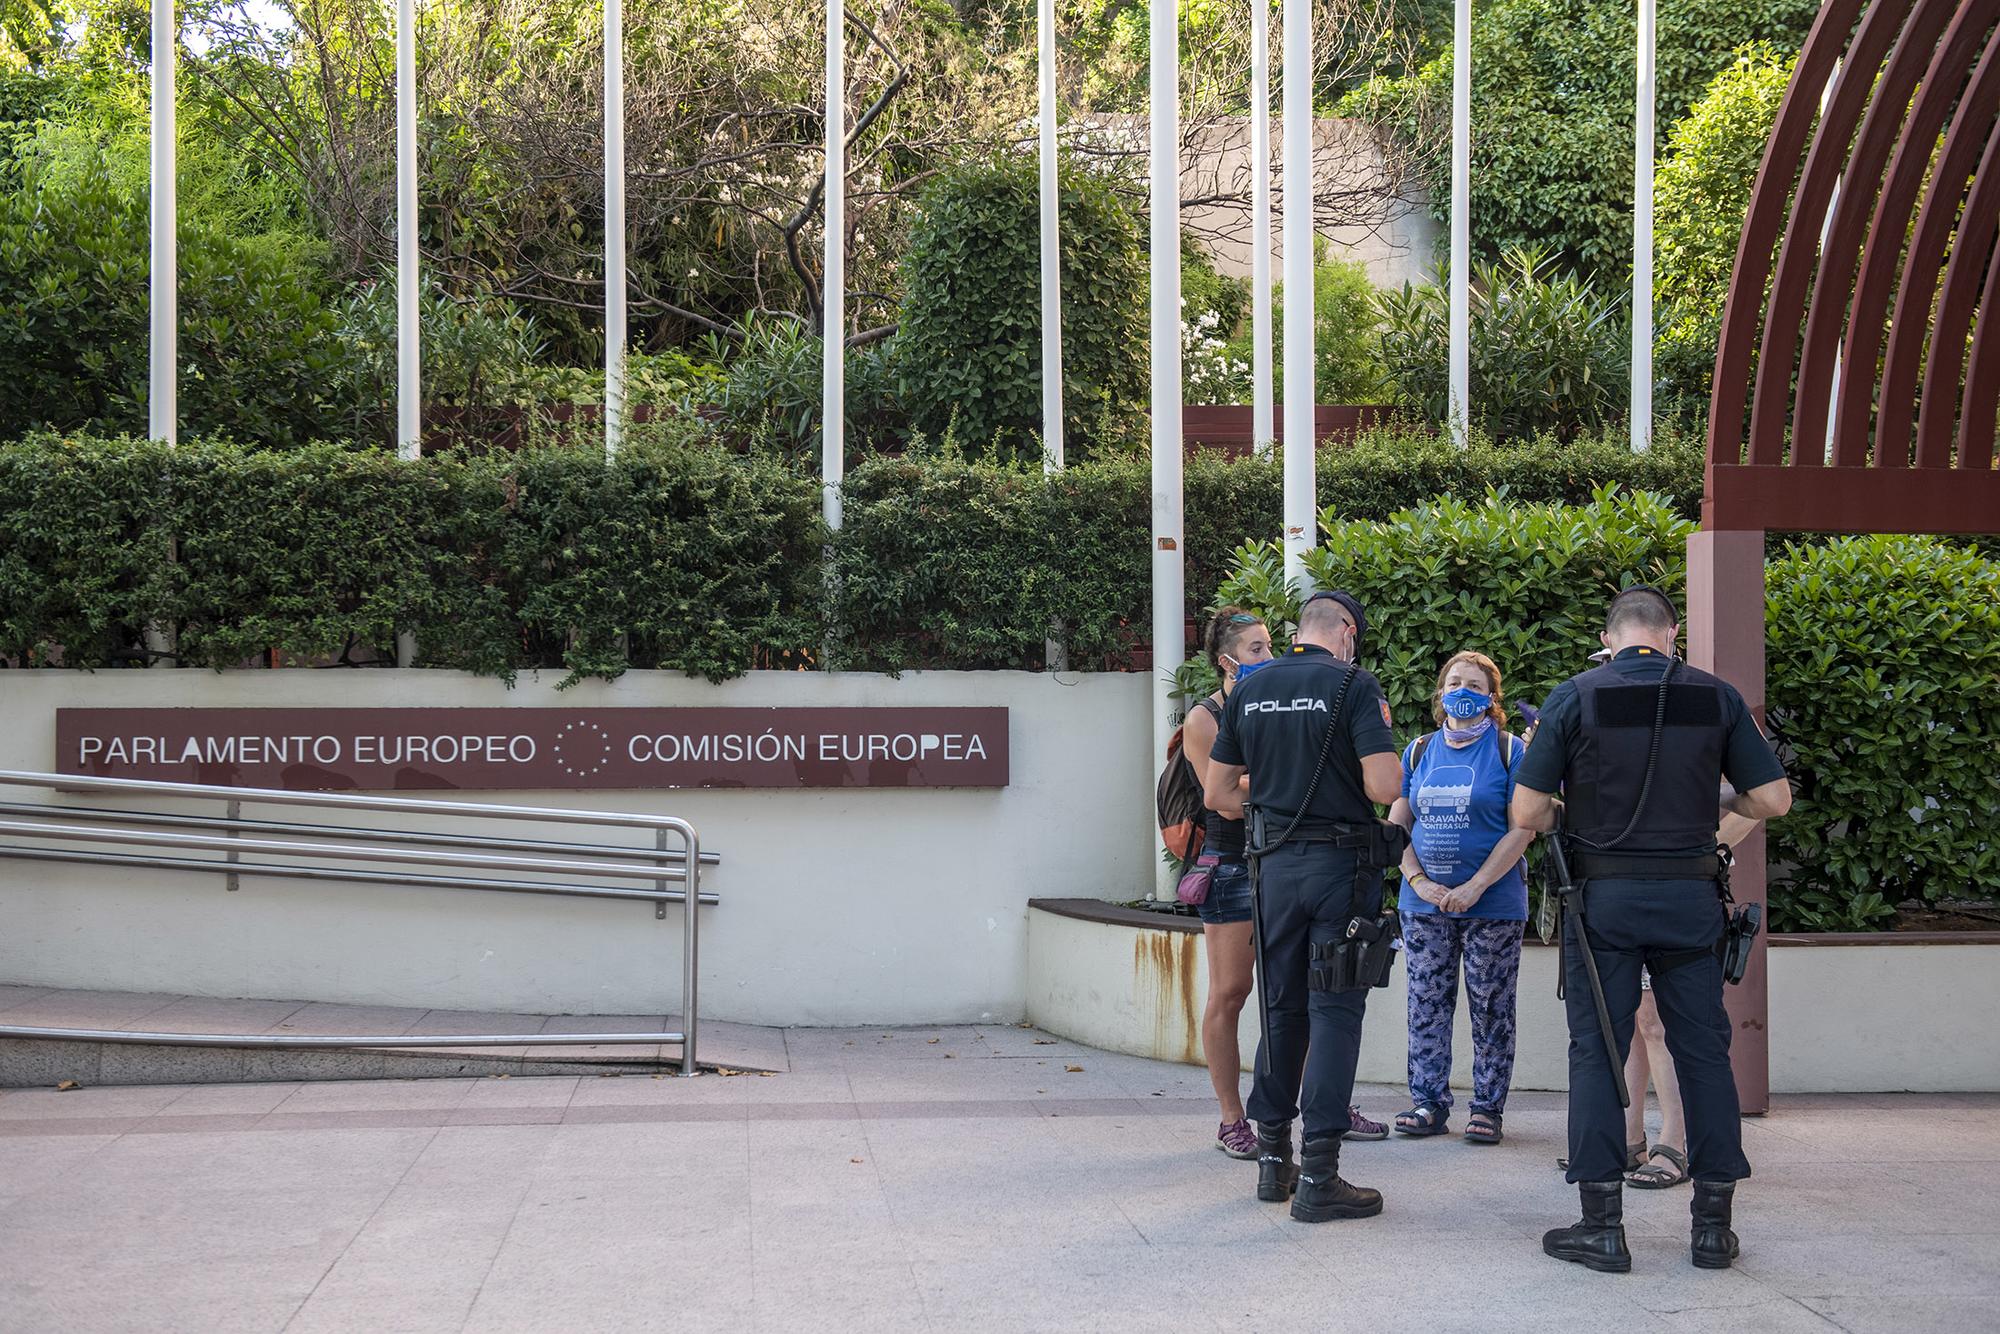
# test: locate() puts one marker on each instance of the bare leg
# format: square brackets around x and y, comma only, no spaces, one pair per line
[1637,1069]
[1652,1039]
[1230,970]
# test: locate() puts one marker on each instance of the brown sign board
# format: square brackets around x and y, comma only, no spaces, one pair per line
[539,748]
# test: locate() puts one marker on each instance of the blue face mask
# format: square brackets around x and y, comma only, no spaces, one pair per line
[1244,669]
[1465,703]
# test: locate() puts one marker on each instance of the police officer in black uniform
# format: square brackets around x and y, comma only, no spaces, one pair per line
[1638,747]
[1312,731]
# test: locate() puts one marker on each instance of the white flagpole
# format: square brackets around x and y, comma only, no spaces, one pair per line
[1169,592]
[1052,359]
[1642,231]
[1459,405]
[409,362]
[614,226]
[1261,432]
[162,388]
[833,287]
[1300,505]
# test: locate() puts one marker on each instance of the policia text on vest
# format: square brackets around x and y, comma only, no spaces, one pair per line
[1312,732]
[1639,748]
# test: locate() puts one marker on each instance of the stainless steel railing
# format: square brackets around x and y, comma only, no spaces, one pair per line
[647,874]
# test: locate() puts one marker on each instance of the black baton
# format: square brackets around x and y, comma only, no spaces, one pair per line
[1254,827]
[1572,901]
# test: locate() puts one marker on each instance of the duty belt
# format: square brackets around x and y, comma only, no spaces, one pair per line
[1634,866]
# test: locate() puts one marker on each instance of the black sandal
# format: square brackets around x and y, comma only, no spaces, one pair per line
[1424,1119]
[1483,1128]
[1650,1175]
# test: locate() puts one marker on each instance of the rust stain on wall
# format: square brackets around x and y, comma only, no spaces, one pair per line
[1164,962]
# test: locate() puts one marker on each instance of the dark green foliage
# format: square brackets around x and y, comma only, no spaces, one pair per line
[770,391]
[1702,194]
[1885,695]
[968,350]
[1552,112]
[257,351]
[1524,583]
[707,561]
[1549,352]
[81,549]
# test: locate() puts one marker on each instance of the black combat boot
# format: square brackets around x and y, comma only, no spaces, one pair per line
[1598,1239]
[1322,1194]
[1277,1174]
[1714,1243]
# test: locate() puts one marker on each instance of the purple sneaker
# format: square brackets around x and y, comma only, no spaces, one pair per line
[1360,1127]
[1237,1139]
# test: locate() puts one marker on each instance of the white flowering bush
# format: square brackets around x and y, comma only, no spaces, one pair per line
[1209,374]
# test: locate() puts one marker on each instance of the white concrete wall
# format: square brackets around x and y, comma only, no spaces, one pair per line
[1851,1019]
[838,906]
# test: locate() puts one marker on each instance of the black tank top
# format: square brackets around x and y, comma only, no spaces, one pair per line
[1224,838]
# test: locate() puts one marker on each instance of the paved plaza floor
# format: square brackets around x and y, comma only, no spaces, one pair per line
[981,1179]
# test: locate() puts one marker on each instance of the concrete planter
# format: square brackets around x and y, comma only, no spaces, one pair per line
[1849,1014]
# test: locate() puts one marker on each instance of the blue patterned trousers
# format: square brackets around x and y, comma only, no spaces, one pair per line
[1434,946]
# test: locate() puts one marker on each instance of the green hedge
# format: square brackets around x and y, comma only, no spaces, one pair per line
[1884,676]
[679,555]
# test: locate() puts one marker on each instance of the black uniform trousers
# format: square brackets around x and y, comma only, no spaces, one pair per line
[1305,898]
[1629,919]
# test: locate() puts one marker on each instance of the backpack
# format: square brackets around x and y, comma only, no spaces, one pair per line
[1177,799]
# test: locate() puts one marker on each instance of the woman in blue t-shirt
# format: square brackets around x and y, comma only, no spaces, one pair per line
[1464,899]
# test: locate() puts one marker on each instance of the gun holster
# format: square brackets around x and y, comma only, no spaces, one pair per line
[1737,938]
[1363,960]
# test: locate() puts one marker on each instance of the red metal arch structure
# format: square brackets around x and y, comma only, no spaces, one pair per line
[1858,373]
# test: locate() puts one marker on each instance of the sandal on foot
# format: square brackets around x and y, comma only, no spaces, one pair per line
[1484,1128]
[1635,1154]
[1236,1138]
[1360,1127]
[1652,1175]
[1426,1118]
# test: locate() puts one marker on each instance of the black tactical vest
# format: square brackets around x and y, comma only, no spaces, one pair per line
[1608,765]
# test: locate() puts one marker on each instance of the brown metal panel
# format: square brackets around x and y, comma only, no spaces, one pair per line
[1725,635]
[1743,309]
[1938,413]
[1833,281]
[1937,219]
[1982,382]
[1771,402]
[1881,257]
[1851,500]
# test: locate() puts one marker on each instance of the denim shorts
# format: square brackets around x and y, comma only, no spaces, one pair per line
[1228,894]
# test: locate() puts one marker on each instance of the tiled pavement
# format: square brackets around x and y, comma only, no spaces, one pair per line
[946,1179]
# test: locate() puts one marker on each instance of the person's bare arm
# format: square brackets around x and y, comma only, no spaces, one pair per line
[1766,801]
[1222,789]
[1382,777]
[1425,888]
[1533,811]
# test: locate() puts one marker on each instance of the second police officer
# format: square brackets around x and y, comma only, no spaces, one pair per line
[1311,730]
[1638,747]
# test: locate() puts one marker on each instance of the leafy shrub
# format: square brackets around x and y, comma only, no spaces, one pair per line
[1525,584]
[1701,195]
[1548,352]
[1552,112]
[1346,366]
[770,390]
[968,348]
[1885,694]
[257,354]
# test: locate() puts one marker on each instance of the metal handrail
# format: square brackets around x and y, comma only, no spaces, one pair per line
[661,864]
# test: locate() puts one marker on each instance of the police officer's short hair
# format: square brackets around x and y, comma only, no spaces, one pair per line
[1326,610]
[1642,606]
